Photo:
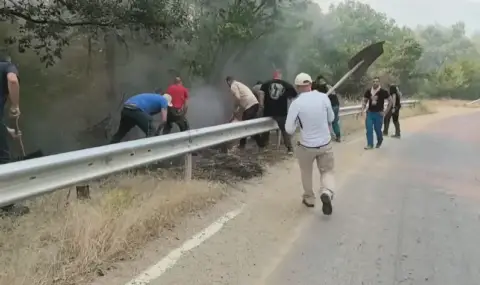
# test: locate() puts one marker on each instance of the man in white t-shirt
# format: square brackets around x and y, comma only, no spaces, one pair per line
[313,113]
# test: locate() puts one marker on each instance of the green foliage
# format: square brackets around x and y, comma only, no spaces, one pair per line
[47,27]
[256,35]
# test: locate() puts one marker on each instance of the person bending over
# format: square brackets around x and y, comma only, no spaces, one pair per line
[246,101]
[138,111]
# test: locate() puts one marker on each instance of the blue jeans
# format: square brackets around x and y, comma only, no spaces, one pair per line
[335,123]
[374,121]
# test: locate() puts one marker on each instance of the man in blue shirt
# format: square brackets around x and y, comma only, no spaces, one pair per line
[138,111]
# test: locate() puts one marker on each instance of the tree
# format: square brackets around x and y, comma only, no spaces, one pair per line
[48,26]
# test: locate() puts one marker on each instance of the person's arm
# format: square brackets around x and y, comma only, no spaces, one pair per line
[330,113]
[394,100]
[292,118]
[334,92]
[187,97]
[164,113]
[389,101]
[236,95]
[364,102]
[13,90]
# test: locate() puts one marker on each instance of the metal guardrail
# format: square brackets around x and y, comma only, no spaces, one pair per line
[27,179]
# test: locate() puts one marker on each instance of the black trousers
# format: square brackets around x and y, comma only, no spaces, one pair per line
[249,114]
[4,153]
[176,116]
[394,116]
[281,125]
[130,118]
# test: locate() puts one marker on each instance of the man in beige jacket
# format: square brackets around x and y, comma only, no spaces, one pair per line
[245,101]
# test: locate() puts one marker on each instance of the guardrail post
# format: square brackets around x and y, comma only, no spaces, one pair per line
[188,167]
[279,138]
[83,192]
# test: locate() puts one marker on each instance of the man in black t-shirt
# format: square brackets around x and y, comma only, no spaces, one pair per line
[375,97]
[394,112]
[276,94]
[9,89]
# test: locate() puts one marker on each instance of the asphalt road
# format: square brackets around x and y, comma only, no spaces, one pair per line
[410,216]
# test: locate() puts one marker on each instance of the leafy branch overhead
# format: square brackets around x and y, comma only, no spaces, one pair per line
[47,26]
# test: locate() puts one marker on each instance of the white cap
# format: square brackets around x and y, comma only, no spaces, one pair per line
[169,99]
[303,79]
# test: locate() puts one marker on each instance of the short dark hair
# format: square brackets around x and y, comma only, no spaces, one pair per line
[229,78]
[393,89]
[259,82]
[376,77]
[158,90]
[321,77]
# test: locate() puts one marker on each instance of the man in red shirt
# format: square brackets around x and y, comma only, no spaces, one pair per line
[177,113]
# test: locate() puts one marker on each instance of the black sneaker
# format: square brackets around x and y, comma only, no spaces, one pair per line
[397,136]
[379,144]
[327,208]
[338,139]
[307,204]
[290,151]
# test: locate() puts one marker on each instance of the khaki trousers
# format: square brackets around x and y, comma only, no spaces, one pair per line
[323,156]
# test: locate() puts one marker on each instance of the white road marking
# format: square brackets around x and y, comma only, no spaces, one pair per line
[172,258]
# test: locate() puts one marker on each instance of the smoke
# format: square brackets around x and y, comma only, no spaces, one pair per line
[144,68]
[209,106]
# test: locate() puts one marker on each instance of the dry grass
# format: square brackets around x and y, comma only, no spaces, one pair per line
[72,245]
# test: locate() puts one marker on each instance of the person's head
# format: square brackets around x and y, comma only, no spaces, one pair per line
[229,80]
[393,89]
[321,80]
[376,82]
[277,74]
[158,91]
[303,82]
[177,80]
[259,83]
[168,97]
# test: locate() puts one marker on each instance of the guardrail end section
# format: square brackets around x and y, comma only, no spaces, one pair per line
[188,166]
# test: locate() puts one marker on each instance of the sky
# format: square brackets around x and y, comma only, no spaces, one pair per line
[420,12]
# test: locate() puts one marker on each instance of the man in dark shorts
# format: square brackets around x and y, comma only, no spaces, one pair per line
[394,112]
[375,97]
[9,90]
[138,111]
[276,94]
[178,111]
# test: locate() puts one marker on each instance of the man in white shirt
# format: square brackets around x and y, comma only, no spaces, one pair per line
[313,113]
[245,100]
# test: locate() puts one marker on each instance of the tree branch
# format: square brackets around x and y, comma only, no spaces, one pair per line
[28,18]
